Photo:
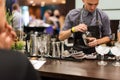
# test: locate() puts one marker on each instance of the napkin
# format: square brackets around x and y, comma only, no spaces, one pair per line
[37,63]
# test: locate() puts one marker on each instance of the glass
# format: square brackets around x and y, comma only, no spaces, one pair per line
[41,47]
[116,51]
[48,45]
[58,48]
[62,49]
[53,47]
[102,50]
[117,44]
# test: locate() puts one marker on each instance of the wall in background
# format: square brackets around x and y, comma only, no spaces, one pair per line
[111,7]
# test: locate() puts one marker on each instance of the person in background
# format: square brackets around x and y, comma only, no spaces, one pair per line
[119,37]
[59,16]
[79,21]
[13,65]
[18,22]
[49,19]
[7,34]
[56,13]
[56,18]
[118,32]
[34,22]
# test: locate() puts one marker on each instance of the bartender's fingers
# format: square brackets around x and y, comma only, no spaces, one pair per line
[93,43]
[82,27]
[90,39]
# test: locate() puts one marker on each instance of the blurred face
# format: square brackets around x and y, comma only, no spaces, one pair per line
[47,15]
[2,14]
[90,5]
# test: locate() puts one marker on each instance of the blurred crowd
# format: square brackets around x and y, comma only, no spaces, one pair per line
[51,18]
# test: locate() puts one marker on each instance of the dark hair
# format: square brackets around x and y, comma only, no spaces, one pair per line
[49,12]
[15,6]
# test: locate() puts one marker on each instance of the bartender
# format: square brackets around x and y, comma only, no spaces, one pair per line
[88,19]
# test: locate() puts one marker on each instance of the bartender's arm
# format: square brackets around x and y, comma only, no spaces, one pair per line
[105,33]
[118,35]
[94,42]
[82,28]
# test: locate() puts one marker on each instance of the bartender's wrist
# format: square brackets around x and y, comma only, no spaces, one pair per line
[72,30]
[97,42]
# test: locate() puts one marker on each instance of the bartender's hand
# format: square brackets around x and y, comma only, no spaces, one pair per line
[92,42]
[80,28]
[7,37]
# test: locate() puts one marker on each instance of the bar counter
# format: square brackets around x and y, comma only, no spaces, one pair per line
[82,70]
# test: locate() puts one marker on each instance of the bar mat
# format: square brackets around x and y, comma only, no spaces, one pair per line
[65,58]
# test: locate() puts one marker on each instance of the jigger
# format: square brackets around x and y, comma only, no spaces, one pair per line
[62,48]
[58,48]
[48,45]
[53,47]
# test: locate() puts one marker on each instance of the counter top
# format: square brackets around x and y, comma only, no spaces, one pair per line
[85,69]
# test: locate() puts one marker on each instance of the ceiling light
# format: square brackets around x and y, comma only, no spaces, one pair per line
[42,3]
[54,1]
[63,2]
[31,2]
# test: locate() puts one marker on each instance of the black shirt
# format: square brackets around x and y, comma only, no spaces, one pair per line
[16,66]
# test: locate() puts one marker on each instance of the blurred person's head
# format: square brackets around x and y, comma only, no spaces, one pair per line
[7,35]
[90,5]
[57,13]
[16,7]
[47,13]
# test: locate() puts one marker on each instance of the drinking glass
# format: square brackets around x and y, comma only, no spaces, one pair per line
[116,51]
[41,47]
[48,45]
[102,50]
[117,44]
[53,47]
[58,48]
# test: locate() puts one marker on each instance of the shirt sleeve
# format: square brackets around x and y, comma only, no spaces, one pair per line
[72,19]
[106,29]
[67,25]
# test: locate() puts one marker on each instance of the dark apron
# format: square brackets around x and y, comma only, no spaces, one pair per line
[79,44]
